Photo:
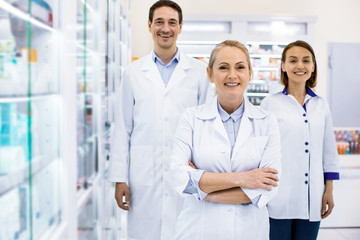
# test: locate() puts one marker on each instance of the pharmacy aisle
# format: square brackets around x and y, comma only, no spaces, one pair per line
[56,84]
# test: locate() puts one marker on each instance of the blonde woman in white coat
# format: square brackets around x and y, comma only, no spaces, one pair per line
[309,156]
[234,153]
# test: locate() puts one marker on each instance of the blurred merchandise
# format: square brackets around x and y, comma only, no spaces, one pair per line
[347,141]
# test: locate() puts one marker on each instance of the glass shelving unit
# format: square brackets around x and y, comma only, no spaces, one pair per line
[266,63]
[56,61]
[30,153]
[265,38]
[88,79]
[118,55]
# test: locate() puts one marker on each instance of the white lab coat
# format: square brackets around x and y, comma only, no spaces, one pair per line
[201,137]
[302,179]
[146,116]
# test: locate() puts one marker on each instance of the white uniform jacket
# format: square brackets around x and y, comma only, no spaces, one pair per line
[308,151]
[146,117]
[202,138]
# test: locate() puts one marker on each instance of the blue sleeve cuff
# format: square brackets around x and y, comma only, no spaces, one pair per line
[193,185]
[331,176]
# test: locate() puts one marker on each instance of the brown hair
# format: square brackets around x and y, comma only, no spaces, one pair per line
[165,3]
[229,43]
[284,79]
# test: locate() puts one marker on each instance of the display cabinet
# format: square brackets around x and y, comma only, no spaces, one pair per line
[265,37]
[266,40]
[346,190]
[118,55]
[90,77]
[30,120]
[265,59]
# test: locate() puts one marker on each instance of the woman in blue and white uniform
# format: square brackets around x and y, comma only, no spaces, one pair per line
[235,147]
[309,155]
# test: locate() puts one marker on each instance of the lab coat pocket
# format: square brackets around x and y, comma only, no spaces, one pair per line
[141,165]
[257,146]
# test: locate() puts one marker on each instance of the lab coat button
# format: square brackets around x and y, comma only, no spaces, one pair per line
[306,121]
[306,150]
[306,182]
[304,114]
[306,143]
[306,174]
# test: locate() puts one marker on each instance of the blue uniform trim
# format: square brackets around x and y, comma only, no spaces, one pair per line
[331,176]
[308,91]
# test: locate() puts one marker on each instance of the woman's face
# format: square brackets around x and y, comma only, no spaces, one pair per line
[298,65]
[230,74]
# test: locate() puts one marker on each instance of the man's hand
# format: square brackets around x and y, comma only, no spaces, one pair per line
[121,190]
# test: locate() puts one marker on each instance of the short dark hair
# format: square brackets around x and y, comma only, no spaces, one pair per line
[165,3]
[284,79]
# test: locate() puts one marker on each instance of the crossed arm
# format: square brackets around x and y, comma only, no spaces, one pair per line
[226,187]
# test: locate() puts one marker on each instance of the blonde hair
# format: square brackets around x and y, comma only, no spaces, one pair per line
[229,43]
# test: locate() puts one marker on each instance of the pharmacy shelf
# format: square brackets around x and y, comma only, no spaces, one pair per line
[265,69]
[22,98]
[40,16]
[256,94]
[278,56]
[12,180]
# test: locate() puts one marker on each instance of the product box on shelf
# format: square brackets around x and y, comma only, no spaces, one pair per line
[348,141]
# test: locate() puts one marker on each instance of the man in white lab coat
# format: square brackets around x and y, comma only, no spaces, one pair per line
[153,94]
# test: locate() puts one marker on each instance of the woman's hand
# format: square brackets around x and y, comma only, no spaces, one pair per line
[258,178]
[327,200]
[192,165]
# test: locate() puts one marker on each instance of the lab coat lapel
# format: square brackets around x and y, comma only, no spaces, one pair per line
[151,72]
[209,112]
[179,73]
[245,129]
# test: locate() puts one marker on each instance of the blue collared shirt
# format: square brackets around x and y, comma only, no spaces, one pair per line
[166,70]
[231,123]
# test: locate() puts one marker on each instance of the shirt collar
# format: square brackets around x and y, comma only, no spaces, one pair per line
[155,58]
[234,116]
[308,91]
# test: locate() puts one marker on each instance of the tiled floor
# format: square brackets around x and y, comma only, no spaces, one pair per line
[339,234]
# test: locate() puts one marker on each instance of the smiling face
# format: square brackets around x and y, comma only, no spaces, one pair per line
[165,28]
[231,75]
[298,65]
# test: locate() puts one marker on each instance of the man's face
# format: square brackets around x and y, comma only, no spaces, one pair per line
[165,27]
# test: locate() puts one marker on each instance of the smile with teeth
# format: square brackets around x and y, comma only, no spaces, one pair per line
[165,36]
[300,73]
[232,84]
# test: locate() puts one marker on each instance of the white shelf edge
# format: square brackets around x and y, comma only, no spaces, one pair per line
[11,99]
[265,69]
[265,56]
[197,42]
[17,12]
[255,94]
[17,178]
[267,43]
